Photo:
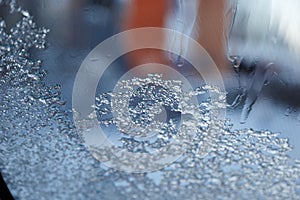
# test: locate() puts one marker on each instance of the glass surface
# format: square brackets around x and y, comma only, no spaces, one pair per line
[252,154]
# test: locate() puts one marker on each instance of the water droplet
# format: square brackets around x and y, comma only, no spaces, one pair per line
[180,61]
[25,13]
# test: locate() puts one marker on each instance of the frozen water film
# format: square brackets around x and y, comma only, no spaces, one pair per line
[44,154]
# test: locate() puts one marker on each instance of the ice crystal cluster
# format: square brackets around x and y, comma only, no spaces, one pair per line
[157,116]
[42,156]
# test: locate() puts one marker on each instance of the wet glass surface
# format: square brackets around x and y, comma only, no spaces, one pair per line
[43,155]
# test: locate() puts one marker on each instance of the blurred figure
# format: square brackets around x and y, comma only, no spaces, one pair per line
[258,36]
[200,19]
[140,13]
[264,39]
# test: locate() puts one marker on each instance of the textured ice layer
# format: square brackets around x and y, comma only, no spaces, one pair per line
[42,156]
